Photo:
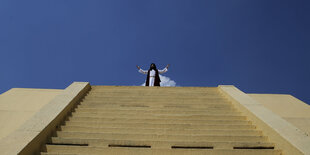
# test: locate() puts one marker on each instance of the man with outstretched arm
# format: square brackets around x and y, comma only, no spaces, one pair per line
[152,78]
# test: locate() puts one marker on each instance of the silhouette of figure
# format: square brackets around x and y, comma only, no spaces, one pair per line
[152,78]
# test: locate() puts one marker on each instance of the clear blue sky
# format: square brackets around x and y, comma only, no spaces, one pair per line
[260,46]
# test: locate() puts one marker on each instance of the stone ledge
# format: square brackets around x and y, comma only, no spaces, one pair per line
[34,132]
[286,136]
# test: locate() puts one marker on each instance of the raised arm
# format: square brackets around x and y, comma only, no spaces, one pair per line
[164,70]
[141,70]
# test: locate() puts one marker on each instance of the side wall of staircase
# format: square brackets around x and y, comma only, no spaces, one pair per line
[30,137]
[287,136]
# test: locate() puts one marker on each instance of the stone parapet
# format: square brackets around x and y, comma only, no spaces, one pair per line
[35,131]
[286,136]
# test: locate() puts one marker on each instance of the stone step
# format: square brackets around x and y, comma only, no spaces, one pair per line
[176,103]
[159,99]
[158,126]
[157,92]
[173,131]
[157,89]
[173,102]
[180,106]
[156,114]
[159,111]
[153,107]
[160,133]
[156,95]
[146,95]
[150,111]
[143,88]
[156,137]
[46,153]
[162,105]
[163,116]
[142,151]
[161,144]
[104,113]
[158,121]
[170,109]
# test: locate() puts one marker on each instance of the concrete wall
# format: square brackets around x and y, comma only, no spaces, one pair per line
[288,107]
[17,105]
[31,135]
[285,135]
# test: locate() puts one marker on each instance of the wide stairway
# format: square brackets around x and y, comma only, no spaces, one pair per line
[157,120]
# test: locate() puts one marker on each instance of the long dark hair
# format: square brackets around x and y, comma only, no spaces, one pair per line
[153,66]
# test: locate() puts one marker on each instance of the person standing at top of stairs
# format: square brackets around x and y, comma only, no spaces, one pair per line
[152,78]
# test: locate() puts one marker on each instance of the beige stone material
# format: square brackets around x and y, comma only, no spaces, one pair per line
[288,107]
[34,132]
[116,119]
[17,105]
[158,120]
[138,151]
[286,136]
[53,150]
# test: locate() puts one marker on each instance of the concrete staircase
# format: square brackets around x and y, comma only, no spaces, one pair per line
[157,120]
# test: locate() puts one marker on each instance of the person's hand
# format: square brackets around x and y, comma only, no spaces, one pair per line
[167,65]
[138,67]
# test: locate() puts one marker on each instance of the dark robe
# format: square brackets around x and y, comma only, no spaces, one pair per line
[156,81]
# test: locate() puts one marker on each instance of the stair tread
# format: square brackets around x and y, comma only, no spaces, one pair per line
[97,141]
[109,150]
